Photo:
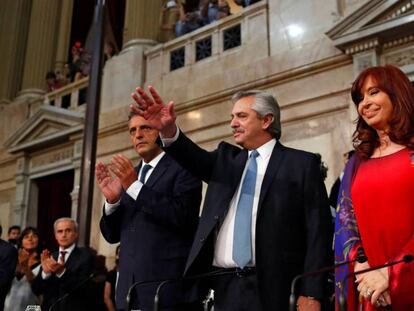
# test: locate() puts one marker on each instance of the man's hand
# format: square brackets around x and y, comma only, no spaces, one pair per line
[152,108]
[44,260]
[307,304]
[124,170]
[110,187]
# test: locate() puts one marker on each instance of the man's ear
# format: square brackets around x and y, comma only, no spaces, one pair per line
[267,121]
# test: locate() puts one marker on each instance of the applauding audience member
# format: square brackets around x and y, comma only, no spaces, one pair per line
[8,261]
[64,272]
[28,267]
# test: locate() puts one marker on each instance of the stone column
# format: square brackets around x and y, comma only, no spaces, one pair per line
[76,160]
[141,21]
[22,191]
[41,45]
[63,38]
[14,23]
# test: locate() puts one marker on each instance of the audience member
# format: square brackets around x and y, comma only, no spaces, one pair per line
[245,3]
[8,261]
[110,284]
[170,14]
[375,208]
[80,65]
[109,50]
[333,194]
[217,9]
[265,213]
[13,234]
[64,76]
[28,267]
[97,284]
[190,21]
[64,271]
[152,210]
[322,166]
[52,82]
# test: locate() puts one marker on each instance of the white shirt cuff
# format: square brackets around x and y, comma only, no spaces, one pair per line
[45,275]
[111,208]
[166,142]
[134,189]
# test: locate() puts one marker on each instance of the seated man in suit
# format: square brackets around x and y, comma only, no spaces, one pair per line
[152,210]
[265,216]
[65,271]
[8,261]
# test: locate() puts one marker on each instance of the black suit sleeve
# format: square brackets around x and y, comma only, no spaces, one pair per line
[110,226]
[8,261]
[177,208]
[318,230]
[199,162]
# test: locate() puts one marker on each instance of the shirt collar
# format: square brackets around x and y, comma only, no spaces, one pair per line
[266,149]
[154,161]
[67,250]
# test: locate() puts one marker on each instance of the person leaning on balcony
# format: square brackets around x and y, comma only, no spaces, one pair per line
[245,3]
[170,14]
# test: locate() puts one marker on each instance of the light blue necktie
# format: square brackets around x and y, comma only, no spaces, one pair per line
[242,242]
[144,172]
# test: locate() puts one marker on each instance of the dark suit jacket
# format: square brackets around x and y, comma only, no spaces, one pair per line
[8,261]
[79,267]
[293,233]
[156,232]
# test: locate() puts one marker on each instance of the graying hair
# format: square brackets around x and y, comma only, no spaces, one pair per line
[75,224]
[264,104]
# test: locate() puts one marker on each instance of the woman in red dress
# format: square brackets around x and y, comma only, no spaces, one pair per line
[376,203]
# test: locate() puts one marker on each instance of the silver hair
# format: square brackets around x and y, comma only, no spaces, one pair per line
[264,104]
[75,224]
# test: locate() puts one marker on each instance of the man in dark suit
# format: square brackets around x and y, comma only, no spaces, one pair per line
[153,211]
[65,272]
[265,213]
[8,261]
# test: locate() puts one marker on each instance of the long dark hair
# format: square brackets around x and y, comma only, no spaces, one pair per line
[398,87]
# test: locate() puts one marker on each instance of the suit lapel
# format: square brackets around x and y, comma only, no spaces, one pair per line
[158,171]
[271,171]
[71,261]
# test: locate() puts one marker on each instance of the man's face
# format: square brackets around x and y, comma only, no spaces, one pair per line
[249,131]
[65,233]
[144,138]
[14,234]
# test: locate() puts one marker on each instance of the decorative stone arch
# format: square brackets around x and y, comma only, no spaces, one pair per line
[49,142]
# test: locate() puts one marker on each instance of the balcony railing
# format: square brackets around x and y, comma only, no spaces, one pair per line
[244,34]
[70,96]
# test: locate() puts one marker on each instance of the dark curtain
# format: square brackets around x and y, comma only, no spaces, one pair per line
[54,201]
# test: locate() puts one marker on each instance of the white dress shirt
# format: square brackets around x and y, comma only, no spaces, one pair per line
[135,188]
[223,248]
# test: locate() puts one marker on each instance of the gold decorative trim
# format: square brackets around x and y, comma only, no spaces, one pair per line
[362,46]
[399,41]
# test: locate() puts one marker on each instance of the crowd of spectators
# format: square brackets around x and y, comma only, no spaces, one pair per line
[19,289]
[77,68]
[176,21]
